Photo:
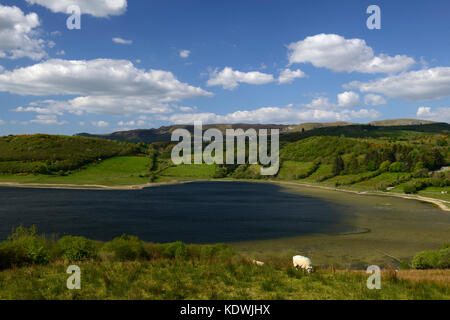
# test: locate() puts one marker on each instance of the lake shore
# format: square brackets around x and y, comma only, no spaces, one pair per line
[442,204]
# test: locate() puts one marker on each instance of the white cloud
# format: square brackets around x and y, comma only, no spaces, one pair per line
[286,115]
[47,119]
[103,86]
[185,54]
[374,100]
[100,124]
[131,123]
[230,79]
[122,41]
[96,8]
[18,36]
[2,122]
[439,115]
[187,109]
[427,84]
[334,52]
[61,53]
[349,99]
[320,103]
[288,76]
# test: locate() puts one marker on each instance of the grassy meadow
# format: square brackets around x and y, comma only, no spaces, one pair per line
[187,172]
[126,170]
[231,279]
[33,267]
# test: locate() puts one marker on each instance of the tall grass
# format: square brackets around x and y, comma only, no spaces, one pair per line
[127,268]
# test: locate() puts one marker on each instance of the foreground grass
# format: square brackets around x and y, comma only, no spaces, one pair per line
[196,279]
[115,171]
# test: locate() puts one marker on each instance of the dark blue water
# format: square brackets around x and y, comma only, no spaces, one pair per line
[204,212]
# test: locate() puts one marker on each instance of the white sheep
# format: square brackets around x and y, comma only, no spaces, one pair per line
[303,263]
[258,263]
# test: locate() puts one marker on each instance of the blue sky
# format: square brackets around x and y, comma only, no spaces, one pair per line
[254,61]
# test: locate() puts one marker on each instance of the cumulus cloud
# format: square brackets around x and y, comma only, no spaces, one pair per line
[96,8]
[374,100]
[18,35]
[230,79]
[187,109]
[336,53]
[100,124]
[132,124]
[287,115]
[320,103]
[439,114]
[288,76]
[185,54]
[427,84]
[349,99]
[122,41]
[47,119]
[102,86]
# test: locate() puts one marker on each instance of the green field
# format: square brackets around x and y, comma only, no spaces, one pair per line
[111,172]
[325,170]
[386,179]
[187,172]
[291,170]
[347,179]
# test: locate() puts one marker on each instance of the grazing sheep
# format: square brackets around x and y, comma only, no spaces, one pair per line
[258,263]
[303,263]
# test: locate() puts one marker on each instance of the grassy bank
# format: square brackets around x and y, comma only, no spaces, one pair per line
[34,267]
[200,279]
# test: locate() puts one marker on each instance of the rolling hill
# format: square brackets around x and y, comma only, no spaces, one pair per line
[389,128]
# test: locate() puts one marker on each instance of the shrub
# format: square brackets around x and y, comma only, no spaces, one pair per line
[12,256]
[384,167]
[396,167]
[176,250]
[216,251]
[443,259]
[425,260]
[35,246]
[77,248]
[410,188]
[126,248]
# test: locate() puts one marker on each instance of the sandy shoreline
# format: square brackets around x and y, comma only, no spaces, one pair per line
[442,204]
[89,186]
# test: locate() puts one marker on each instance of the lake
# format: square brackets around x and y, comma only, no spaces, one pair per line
[201,212]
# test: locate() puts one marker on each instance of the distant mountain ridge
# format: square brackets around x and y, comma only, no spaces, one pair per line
[164,133]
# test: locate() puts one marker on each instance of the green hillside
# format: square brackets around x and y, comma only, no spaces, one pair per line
[47,154]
